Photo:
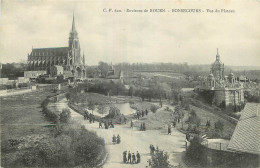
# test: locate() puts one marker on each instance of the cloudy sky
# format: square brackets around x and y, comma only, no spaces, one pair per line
[134,37]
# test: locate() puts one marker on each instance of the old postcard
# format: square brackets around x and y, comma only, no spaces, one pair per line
[130,84]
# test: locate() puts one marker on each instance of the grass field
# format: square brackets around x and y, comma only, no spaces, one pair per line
[21,116]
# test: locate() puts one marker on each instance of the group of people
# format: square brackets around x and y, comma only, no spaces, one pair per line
[89,116]
[131,158]
[116,140]
[106,124]
[141,114]
[124,119]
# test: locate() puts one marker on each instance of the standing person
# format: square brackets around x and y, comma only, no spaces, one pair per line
[133,158]
[87,114]
[146,111]
[129,157]
[114,139]
[187,136]
[142,113]
[138,157]
[106,125]
[141,127]
[100,124]
[124,119]
[153,149]
[118,140]
[124,156]
[169,129]
[131,124]
[120,120]
[111,123]
[90,118]
[144,128]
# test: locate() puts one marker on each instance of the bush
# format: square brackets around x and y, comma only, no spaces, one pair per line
[159,159]
[193,118]
[154,108]
[195,150]
[51,116]
[219,125]
[71,148]
[65,116]
[113,112]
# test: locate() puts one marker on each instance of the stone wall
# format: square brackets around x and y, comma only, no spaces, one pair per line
[221,158]
[230,97]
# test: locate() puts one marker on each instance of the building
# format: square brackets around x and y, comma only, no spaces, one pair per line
[246,137]
[69,58]
[217,68]
[225,90]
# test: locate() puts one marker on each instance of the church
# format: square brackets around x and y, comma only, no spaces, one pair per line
[69,58]
[222,90]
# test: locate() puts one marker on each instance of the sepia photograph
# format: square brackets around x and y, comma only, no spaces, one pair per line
[130,84]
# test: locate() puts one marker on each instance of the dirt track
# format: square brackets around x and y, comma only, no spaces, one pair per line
[133,140]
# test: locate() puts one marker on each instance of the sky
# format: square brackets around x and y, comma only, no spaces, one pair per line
[134,37]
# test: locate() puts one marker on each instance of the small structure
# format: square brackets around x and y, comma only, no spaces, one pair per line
[56,70]
[111,70]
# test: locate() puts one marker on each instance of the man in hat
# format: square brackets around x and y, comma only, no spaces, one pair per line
[133,158]
[100,124]
[138,157]
[124,156]
[169,129]
[129,157]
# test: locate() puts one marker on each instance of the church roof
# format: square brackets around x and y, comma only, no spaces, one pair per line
[51,51]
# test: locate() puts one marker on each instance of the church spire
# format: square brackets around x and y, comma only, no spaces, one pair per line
[83,59]
[73,24]
[217,56]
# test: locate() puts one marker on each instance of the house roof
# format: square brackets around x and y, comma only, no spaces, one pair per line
[246,137]
[115,76]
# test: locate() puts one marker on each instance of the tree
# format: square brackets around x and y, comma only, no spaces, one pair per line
[91,106]
[65,116]
[193,118]
[104,67]
[67,95]
[131,91]
[101,109]
[195,150]
[159,159]
[219,125]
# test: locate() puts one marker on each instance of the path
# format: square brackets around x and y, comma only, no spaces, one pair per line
[133,140]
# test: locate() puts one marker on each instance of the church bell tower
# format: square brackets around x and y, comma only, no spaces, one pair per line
[74,45]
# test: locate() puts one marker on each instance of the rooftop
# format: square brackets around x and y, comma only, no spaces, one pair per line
[246,137]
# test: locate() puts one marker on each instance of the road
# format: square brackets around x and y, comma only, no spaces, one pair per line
[133,140]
